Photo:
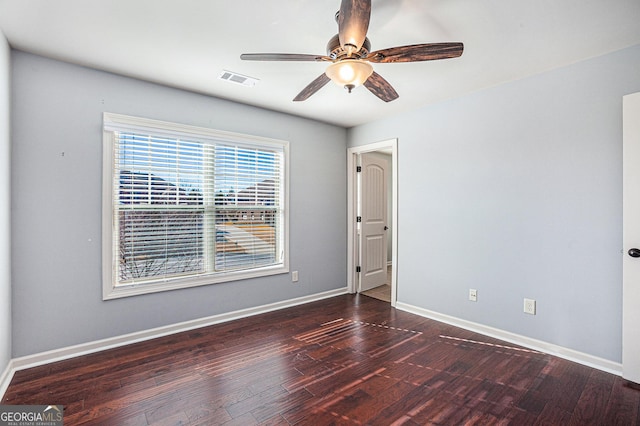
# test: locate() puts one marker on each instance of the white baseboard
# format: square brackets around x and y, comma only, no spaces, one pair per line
[5,378]
[538,345]
[113,342]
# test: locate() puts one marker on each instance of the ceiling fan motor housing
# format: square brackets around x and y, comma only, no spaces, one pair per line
[337,52]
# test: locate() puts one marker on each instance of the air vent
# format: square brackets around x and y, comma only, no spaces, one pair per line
[236,78]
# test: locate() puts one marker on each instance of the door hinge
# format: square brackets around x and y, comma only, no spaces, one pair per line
[358,269]
[359,219]
[358,169]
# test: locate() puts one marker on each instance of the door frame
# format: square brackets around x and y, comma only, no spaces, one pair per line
[630,237]
[352,205]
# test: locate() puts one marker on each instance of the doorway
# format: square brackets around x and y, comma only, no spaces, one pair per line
[354,229]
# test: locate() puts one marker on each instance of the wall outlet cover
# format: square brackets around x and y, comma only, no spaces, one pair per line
[530,306]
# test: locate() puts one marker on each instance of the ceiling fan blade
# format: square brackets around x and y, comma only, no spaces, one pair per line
[417,52]
[381,87]
[312,88]
[283,57]
[353,23]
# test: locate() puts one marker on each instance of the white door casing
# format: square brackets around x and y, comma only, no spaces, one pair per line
[631,239]
[353,257]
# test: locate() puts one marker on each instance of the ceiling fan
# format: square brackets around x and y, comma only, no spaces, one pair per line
[350,55]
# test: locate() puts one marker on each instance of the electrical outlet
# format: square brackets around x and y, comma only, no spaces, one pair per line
[529,306]
[473,295]
[294,276]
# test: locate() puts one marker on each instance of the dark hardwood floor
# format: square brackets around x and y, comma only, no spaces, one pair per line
[349,360]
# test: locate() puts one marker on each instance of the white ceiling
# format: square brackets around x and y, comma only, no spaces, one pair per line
[188,43]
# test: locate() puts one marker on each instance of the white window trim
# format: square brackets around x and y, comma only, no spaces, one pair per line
[109,291]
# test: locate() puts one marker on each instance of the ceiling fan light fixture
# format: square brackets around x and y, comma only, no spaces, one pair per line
[349,73]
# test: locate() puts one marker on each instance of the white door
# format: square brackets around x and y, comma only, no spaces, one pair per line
[631,239]
[373,211]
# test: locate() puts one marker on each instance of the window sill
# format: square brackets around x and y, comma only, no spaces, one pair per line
[148,288]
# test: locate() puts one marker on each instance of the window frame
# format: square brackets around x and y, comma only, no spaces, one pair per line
[117,122]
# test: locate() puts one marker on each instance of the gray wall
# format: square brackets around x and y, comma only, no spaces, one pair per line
[516,191]
[5,207]
[56,199]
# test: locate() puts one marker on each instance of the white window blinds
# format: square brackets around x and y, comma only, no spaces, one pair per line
[247,215]
[187,206]
[159,207]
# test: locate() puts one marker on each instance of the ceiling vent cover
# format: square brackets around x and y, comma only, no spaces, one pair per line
[236,78]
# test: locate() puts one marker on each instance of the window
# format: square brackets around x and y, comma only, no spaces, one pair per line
[187,206]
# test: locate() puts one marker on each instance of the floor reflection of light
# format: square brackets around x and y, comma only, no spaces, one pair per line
[233,365]
[513,348]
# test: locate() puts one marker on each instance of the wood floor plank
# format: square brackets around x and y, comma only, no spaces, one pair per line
[285,402]
[379,400]
[348,360]
[591,406]
[622,407]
